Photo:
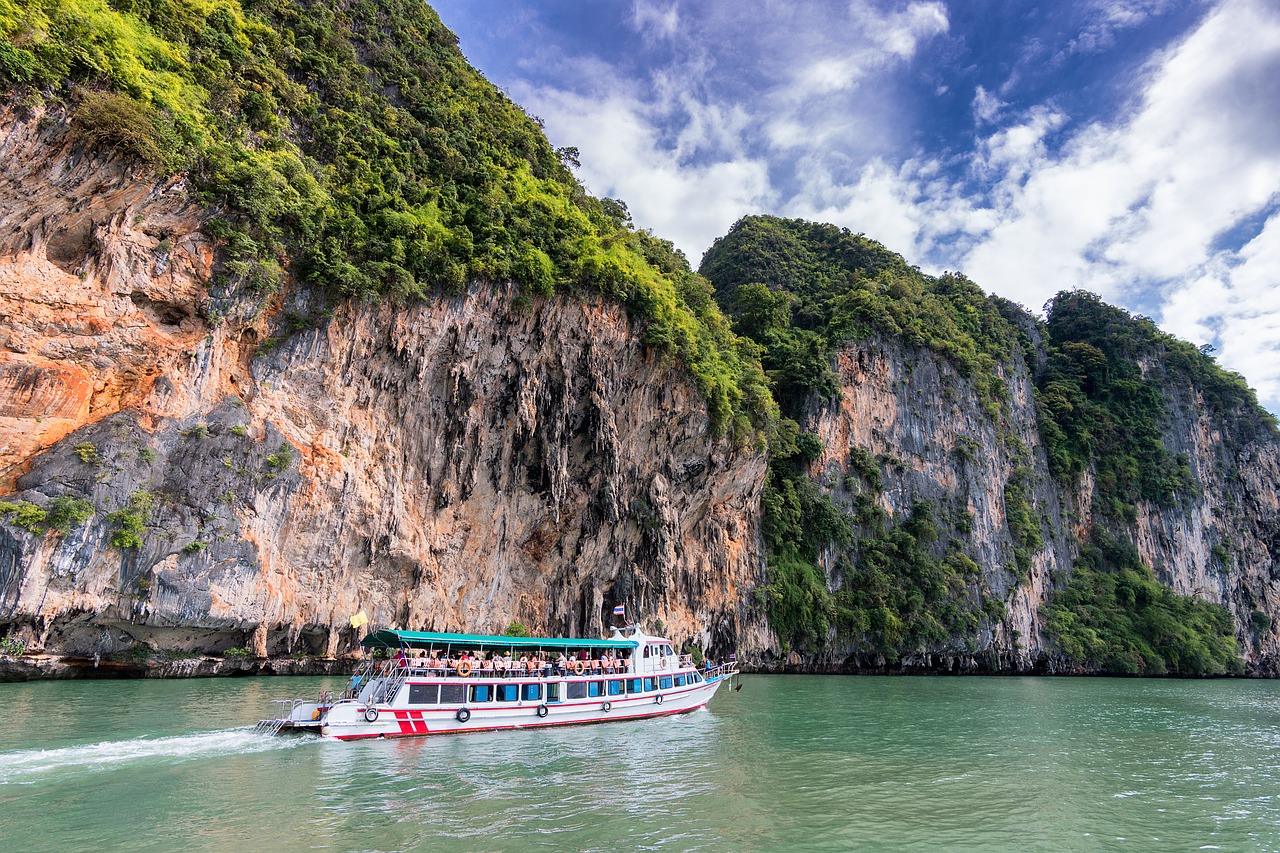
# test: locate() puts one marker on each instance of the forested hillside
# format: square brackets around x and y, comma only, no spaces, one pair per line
[853,571]
[352,148]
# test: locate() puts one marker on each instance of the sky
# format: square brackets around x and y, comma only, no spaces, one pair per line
[1127,147]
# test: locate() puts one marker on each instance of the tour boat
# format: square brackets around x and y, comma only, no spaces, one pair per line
[418,683]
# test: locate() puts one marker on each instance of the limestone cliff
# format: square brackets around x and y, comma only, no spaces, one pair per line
[925,424]
[458,463]
[253,467]
[976,489]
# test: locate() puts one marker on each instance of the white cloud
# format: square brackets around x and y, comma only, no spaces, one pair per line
[622,157]
[1108,17]
[655,21]
[986,106]
[1133,210]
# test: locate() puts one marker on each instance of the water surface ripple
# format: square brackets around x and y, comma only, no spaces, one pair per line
[788,763]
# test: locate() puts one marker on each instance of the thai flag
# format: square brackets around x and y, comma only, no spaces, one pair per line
[620,610]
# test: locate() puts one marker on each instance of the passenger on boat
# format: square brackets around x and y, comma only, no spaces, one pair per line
[486,665]
[433,662]
[562,664]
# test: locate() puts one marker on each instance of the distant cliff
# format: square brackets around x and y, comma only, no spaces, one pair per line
[982,491]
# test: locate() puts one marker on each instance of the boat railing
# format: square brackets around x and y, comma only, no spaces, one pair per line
[391,669]
[281,714]
[728,669]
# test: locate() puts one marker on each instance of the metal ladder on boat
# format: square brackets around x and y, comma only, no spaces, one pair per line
[391,686]
[282,710]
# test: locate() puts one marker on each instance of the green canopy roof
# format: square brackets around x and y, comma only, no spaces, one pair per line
[424,639]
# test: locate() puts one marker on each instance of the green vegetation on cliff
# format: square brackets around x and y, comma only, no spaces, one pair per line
[1116,617]
[352,147]
[802,290]
[1102,402]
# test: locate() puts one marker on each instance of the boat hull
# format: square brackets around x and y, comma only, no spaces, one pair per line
[348,719]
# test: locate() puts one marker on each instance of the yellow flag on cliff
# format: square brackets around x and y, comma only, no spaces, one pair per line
[359,619]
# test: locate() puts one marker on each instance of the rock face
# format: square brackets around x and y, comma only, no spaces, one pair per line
[453,465]
[927,427]
[470,461]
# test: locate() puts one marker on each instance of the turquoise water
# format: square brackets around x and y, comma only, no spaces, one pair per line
[787,763]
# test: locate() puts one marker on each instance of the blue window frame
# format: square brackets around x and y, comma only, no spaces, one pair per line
[481,693]
[615,687]
[593,688]
[507,692]
[648,684]
[679,681]
[635,685]
[531,692]
[664,682]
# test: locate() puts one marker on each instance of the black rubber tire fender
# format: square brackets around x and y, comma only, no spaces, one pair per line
[371,715]
[543,710]
[463,715]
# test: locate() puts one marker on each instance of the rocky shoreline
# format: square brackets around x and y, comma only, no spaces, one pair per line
[56,667]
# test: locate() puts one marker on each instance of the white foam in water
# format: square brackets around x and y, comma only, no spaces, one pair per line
[31,764]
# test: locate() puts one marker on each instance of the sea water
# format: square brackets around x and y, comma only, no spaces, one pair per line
[785,763]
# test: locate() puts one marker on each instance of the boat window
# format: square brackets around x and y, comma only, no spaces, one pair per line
[531,692]
[679,681]
[576,689]
[553,692]
[695,676]
[424,694]
[481,693]
[593,688]
[615,687]
[648,684]
[635,685]
[664,682]
[646,651]
[507,692]
[453,694]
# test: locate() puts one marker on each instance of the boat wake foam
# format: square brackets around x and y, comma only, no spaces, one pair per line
[30,765]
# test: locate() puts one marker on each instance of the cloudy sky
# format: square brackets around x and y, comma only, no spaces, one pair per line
[1129,147]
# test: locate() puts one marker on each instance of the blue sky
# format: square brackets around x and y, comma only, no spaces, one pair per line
[1129,147]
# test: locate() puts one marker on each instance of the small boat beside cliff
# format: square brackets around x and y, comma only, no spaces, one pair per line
[420,683]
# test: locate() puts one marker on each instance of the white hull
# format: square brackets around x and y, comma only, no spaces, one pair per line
[346,719]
